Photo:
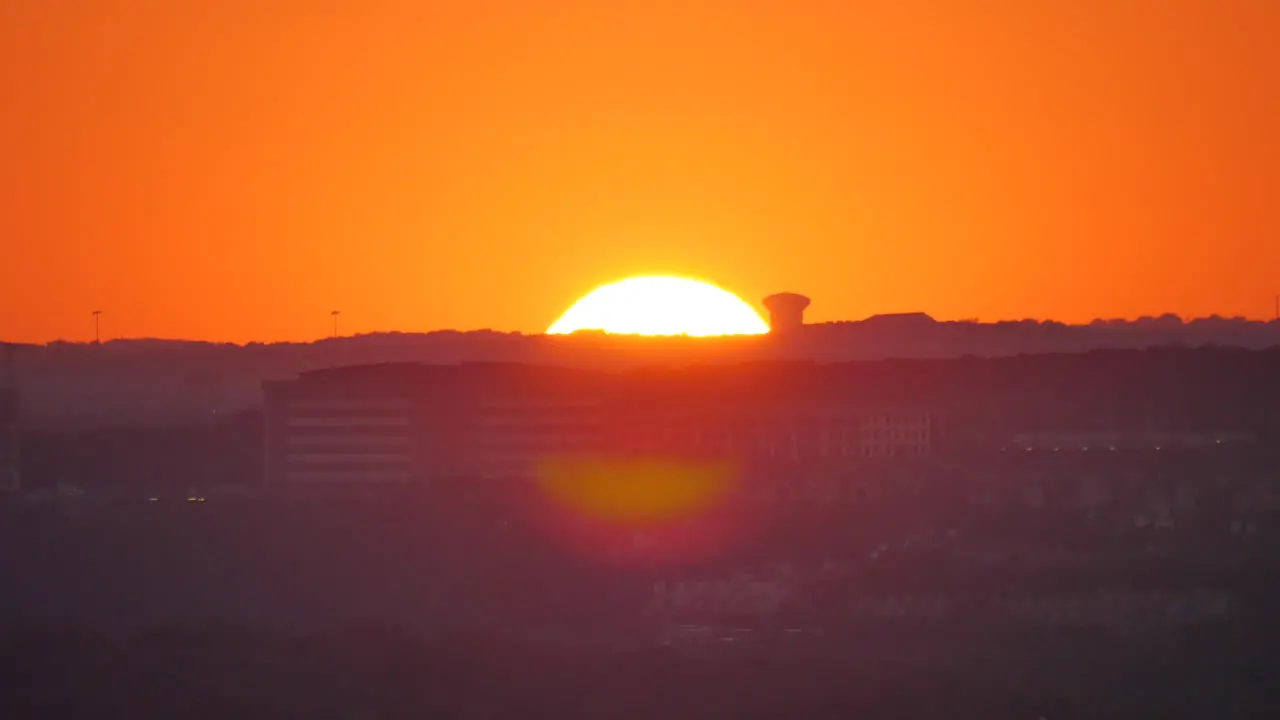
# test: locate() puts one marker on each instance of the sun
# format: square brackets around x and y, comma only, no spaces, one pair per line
[661,305]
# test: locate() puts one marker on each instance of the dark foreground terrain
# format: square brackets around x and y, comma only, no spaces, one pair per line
[412,608]
[215,670]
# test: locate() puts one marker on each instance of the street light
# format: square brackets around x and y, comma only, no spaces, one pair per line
[335,314]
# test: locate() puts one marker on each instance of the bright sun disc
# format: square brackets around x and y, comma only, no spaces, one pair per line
[661,306]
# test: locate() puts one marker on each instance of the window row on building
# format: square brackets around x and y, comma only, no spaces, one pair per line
[376,423]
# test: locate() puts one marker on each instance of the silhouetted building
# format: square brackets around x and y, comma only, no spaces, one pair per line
[903,321]
[404,422]
[896,434]
[344,426]
[10,477]
[786,311]
[398,423]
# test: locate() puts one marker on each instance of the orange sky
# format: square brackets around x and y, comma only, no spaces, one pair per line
[235,169]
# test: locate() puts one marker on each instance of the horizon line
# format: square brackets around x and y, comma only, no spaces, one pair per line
[1167,317]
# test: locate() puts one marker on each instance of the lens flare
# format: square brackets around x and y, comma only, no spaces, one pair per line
[634,491]
[666,510]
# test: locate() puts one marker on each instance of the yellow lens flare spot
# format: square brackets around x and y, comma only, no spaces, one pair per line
[634,491]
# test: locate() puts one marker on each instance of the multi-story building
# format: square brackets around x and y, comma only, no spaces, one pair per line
[343,426]
[894,434]
[411,423]
[511,416]
[10,475]
[408,422]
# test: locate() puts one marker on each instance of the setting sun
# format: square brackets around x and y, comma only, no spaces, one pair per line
[661,306]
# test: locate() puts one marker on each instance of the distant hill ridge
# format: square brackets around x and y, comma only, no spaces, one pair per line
[153,380]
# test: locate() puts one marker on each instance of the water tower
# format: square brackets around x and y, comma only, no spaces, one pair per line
[786,311]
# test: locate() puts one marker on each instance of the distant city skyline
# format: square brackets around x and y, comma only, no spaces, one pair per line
[331,331]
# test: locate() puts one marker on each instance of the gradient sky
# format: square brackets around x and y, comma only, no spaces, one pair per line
[235,169]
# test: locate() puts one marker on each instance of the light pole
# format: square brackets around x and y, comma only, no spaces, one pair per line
[97,333]
[335,314]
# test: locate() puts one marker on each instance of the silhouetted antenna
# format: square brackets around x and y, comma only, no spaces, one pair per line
[97,327]
[335,314]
